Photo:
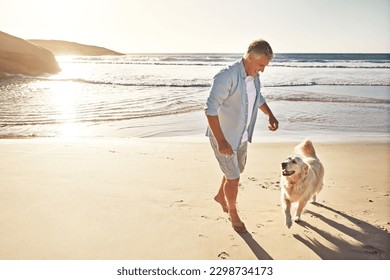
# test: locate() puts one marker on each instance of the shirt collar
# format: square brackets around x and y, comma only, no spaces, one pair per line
[242,70]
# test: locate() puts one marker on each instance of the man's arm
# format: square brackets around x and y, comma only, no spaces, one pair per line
[218,94]
[273,123]
[215,127]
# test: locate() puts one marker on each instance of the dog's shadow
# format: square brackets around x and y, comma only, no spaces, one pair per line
[259,252]
[372,242]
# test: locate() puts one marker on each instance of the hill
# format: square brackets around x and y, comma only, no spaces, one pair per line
[17,56]
[59,47]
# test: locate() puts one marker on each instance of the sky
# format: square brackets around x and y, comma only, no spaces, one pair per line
[205,26]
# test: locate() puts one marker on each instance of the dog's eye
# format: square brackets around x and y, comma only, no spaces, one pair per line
[294,161]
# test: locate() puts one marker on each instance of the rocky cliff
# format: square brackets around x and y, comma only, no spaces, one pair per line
[18,56]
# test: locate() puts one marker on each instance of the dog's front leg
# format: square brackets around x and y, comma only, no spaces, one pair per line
[286,206]
[301,205]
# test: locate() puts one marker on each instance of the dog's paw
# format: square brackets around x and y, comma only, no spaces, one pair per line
[297,219]
[288,223]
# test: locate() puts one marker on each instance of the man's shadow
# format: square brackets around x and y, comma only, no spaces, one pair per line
[372,242]
[259,252]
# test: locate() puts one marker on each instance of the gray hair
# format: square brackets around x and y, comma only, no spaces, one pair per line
[260,47]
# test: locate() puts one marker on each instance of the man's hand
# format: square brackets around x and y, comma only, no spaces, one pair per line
[223,145]
[273,123]
[225,148]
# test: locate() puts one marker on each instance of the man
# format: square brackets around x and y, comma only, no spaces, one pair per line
[231,111]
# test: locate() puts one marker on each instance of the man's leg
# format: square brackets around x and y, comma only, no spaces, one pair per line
[231,166]
[231,191]
[220,197]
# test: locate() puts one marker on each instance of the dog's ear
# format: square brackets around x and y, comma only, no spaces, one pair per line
[305,168]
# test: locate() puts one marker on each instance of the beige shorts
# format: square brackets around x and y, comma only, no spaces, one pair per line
[231,165]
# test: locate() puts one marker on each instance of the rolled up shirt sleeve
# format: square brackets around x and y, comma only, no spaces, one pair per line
[218,93]
[262,100]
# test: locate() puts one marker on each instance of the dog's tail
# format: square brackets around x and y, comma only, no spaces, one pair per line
[306,149]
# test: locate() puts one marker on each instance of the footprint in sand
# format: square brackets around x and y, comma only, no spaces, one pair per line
[214,219]
[178,203]
[273,186]
[223,255]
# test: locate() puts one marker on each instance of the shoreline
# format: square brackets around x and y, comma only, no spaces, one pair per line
[329,114]
[152,199]
[166,127]
[262,137]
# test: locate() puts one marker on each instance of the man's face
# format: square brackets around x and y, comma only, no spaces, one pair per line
[256,64]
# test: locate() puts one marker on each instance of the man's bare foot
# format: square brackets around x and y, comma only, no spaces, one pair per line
[221,200]
[237,224]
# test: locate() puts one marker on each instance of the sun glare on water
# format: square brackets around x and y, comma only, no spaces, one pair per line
[64,99]
[69,69]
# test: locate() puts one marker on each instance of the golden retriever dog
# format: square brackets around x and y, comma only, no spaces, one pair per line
[301,180]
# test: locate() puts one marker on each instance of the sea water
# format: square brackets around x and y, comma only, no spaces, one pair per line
[321,96]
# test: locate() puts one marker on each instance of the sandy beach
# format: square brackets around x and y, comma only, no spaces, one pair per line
[152,199]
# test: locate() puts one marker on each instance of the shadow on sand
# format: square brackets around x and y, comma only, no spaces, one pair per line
[372,243]
[259,252]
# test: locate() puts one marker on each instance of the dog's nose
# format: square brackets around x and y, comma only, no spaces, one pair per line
[284,165]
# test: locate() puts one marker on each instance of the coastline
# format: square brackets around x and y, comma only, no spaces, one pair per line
[191,126]
[322,113]
[144,198]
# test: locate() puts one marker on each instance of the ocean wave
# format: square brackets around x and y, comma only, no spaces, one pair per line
[325,83]
[326,99]
[204,84]
[182,83]
[319,66]
[95,115]
[362,61]
[222,63]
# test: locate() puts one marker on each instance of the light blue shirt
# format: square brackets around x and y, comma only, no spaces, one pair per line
[229,101]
